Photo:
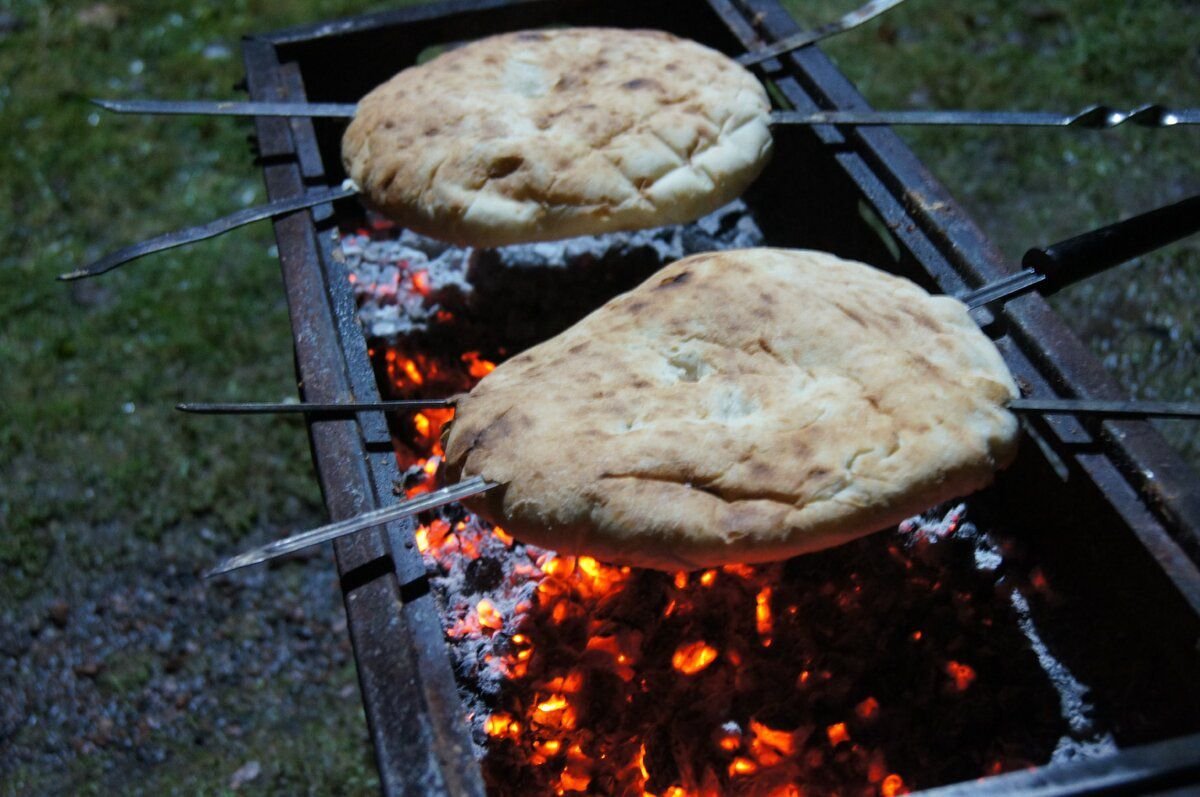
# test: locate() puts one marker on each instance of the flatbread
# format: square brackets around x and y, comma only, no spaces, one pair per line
[548,134]
[739,406]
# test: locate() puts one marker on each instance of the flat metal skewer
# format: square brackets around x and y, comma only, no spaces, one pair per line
[340,110]
[1106,408]
[1055,406]
[331,408]
[804,38]
[332,531]
[210,229]
[1093,117]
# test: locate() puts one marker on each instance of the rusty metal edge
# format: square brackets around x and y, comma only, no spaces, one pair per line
[1136,770]
[415,720]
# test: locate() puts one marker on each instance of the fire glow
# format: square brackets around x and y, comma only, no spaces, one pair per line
[589,678]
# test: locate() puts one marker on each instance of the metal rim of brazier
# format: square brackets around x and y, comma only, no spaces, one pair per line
[413,711]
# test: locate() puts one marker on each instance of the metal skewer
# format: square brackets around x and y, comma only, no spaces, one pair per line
[210,229]
[333,408]
[1107,409]
[807,37]
[1052,406]
[332,531]
[1093,117]
[850,21]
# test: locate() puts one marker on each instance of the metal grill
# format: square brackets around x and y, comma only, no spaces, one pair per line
[1128,547]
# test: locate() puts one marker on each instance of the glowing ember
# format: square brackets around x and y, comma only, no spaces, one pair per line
[782,742]
[892,785]
[963,675]
[420,282]
[867,709]
[762,614]
[501,724]
[477,367]
[693,657]
[488,616]
[421,421]
[589,566]
[410,370]
[837,733]
[742,766]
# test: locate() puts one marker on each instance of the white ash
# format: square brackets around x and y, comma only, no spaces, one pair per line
[1075,707]
[1086,742]
[383,263]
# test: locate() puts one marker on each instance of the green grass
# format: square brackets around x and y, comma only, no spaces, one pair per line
[92,369]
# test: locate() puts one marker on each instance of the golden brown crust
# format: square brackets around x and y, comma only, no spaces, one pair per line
[741,406]
[549,134]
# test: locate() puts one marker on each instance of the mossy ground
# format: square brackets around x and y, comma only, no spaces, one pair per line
[102,484]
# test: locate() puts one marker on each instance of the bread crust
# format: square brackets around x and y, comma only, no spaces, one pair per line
[549,134]
[739,406]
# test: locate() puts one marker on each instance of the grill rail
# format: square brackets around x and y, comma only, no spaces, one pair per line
[1123,469]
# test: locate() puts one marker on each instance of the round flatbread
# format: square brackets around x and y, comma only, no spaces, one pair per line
[550,134]
[740,406]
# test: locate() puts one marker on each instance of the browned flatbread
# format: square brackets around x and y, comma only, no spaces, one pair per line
[549,134]
[740,406]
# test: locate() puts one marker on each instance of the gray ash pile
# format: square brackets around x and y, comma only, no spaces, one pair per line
[411,286]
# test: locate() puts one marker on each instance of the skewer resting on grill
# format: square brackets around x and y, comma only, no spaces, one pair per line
[821,379]
[1047,269]
[544,167]
[1093,117]
[332,531]
[1104,408]
[476,485]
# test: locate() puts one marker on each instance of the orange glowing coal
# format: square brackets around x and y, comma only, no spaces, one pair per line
[504,536]
[489,617]
[477,367]
[963,675]
[762,615]
[420,282]
[837,733]
[692,657]
[782,742]
[892,785]
[501,724]
[867,709]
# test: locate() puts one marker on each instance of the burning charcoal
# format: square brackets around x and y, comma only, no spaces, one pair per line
[483,575]
[846,670]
